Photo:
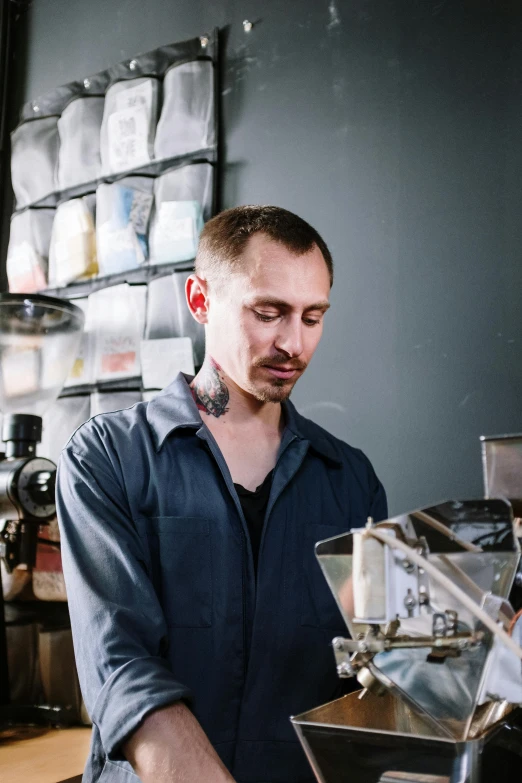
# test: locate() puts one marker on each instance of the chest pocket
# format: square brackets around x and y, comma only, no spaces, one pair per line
[181,564]
[318,606]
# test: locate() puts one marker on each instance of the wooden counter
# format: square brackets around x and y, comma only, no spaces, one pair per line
[33,755]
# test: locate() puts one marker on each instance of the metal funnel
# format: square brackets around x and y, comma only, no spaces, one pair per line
[445,694]
[39,339]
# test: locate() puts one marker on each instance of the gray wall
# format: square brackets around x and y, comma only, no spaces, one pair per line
[395,128]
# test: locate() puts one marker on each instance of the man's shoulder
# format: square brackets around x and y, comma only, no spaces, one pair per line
[116,429]
[338,449]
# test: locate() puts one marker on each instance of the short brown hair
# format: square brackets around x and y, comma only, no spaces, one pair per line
[225,236]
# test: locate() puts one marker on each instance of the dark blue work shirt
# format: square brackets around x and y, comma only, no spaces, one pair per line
[162,591]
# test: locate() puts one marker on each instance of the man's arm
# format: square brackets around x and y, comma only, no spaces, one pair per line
[171,746]
[118,625]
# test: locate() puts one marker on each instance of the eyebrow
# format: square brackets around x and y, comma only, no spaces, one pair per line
[282,305]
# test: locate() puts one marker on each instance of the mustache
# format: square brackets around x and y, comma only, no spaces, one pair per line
[274,361]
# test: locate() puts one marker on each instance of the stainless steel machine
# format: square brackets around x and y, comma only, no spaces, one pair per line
[39,339]
[433,641]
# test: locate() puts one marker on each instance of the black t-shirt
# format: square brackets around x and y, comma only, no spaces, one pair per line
[254,508]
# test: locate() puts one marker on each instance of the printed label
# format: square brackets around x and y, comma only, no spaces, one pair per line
[128,133]
[140,211]
[118,362]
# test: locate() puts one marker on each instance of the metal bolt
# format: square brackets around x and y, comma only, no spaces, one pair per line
[204,41]
[133,65]
[36,108]
[363,647]
[344,669]
[453,619]
[338,644]
[86,83]
[408,566]
[247,26]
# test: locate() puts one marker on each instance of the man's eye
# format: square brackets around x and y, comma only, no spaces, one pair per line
[265,318]
[310,321]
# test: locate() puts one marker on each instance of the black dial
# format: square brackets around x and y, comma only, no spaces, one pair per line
[34,488]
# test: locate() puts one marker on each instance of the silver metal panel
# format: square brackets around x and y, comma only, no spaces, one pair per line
[502,468]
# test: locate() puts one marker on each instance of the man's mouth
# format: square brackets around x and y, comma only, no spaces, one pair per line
[285,373]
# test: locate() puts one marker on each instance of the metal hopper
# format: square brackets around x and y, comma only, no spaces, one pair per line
[435,676]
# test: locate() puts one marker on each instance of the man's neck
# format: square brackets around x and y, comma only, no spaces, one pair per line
[221,399]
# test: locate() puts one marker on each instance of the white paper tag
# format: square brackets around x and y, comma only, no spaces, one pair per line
[162,360]
[128,133]
[172,227]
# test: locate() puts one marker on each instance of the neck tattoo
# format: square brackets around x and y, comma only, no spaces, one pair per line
[210,390]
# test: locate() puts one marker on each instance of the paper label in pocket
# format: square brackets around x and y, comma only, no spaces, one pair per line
[128,132]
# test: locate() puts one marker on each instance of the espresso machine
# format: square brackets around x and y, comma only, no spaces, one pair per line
[39,340]
[431,601]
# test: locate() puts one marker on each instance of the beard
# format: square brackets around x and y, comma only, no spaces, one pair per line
[276,389]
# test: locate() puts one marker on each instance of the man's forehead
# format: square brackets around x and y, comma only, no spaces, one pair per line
[260,245]
[263,255]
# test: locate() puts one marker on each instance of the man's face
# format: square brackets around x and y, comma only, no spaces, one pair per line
[265,321]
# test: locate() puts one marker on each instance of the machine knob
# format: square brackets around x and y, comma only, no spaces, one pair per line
[33,489]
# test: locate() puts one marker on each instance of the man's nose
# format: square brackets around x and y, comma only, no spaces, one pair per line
[290,338]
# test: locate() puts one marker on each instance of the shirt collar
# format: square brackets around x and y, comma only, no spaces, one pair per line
[174,407]
[308,430]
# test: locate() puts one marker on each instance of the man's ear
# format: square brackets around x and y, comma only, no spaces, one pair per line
[196,291]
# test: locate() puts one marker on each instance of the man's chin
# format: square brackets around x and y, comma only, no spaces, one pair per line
[277,391]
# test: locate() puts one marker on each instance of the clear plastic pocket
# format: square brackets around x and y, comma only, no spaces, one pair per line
[187,118]
[168,314]
[79,128]
[72,254]
[182,201]
[34,160]
[122,218]
[117,319]
[28,251]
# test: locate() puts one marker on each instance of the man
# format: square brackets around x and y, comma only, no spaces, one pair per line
[201,620]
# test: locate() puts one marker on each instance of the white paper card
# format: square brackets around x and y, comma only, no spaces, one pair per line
[128,132]
[162,360]
[175,229]
[118,322]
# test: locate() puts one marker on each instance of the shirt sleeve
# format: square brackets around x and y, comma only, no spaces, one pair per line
[379,503]
[372,488]
[118,626]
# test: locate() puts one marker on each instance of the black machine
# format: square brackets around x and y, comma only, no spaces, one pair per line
[39,339]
